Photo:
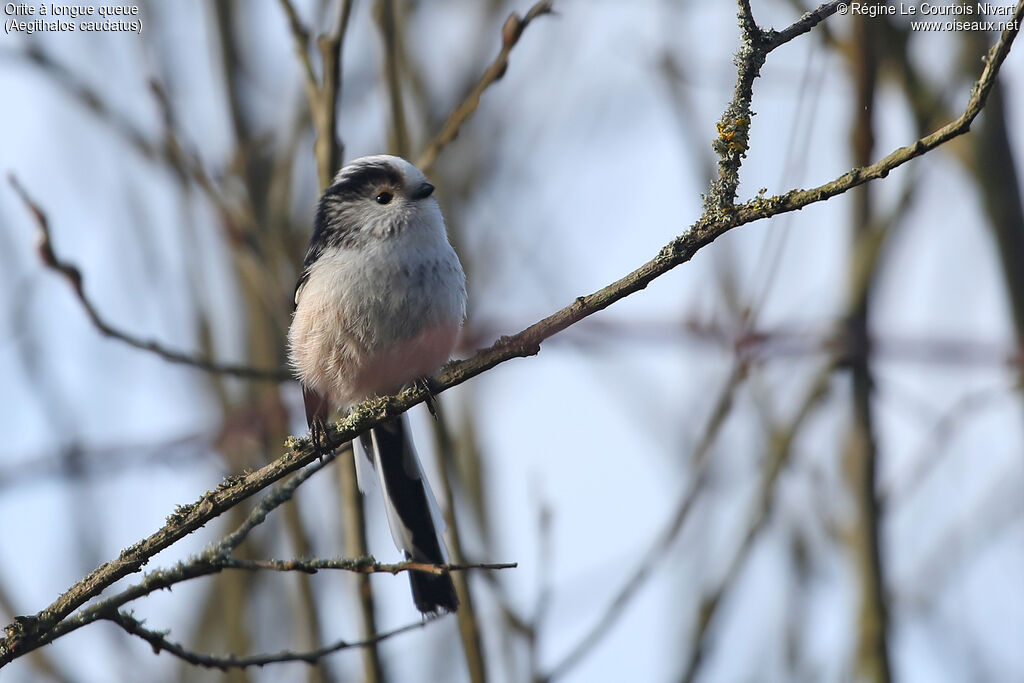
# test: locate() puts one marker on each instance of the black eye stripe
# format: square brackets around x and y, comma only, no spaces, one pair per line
[362,179]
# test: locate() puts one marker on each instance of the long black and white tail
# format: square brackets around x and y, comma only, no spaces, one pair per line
[413,515]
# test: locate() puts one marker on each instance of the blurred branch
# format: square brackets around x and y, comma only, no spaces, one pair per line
[354,520]
[170,151]
[466,615]
[659,549]
[301,38]
[988,516]
[323,96]
[861,456]
[74,277]
[930,455]
[991,161]
[96,461]
[28,633]
[362,565]
[781,445]
[88,97]
[511,31]
[542,605]
[390,33]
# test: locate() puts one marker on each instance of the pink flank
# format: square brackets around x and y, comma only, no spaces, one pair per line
[388,370]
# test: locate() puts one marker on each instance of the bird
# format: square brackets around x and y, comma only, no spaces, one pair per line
[379,305]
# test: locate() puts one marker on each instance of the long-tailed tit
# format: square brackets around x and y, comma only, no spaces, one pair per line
[379,305]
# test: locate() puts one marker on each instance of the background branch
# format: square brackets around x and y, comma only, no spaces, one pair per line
[74,277]
[159,642]
[510,34]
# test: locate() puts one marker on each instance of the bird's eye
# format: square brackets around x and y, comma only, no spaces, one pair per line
[385,197]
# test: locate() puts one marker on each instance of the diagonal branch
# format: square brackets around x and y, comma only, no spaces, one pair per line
[781,450]
[658,551]
[510,34]
[809,20]
[360,565]
[159,642]
[74,277]
[217,558]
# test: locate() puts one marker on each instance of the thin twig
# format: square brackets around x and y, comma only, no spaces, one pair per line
[387,24]
[510,34]
[932,452]
[659,549]
[781,451]
[330,150]
[804,24]
[160,643]
[363,565]
[301,40]
[217,558]
[272,500]
[74,277]
[466,616]
[213,560]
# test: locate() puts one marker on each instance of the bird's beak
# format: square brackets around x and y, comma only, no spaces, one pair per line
[423,191]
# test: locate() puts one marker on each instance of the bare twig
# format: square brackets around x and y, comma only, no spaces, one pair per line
[385,12]
[734,126]
[74,277]
[301,39]
[469,623]
[363,565]
[322,96]
[861,451]
[930,454]
[158,640]
[211,561]
[217,558]
[781,450]
[808,21]
[510,34]
[658,549]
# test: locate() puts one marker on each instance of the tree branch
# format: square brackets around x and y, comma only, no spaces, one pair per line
[658,550]
[510,34]
[159,642]
[217,558]
[360,565]
[808,21]
[74,277]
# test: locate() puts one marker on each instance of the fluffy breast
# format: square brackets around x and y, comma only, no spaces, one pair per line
[370,320]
